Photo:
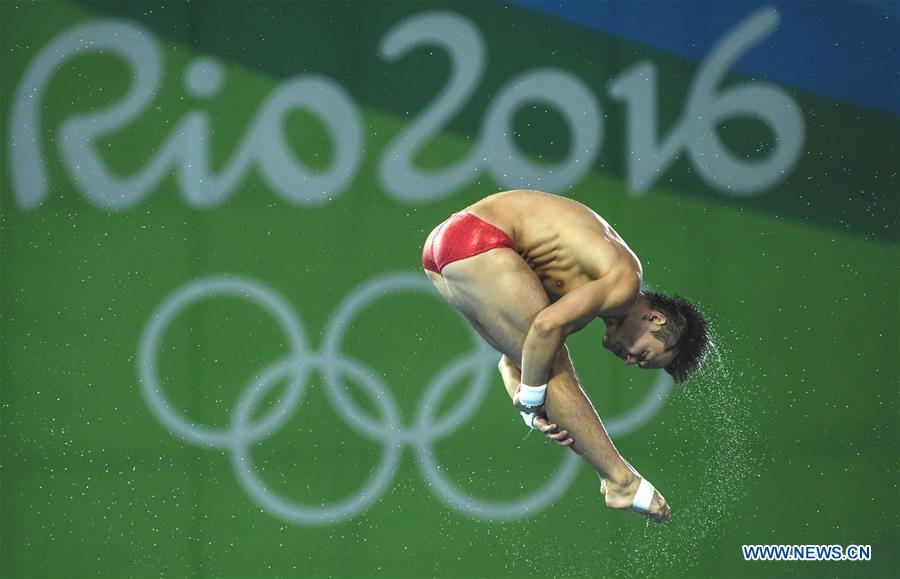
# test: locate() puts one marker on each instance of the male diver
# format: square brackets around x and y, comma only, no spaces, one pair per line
[527,269]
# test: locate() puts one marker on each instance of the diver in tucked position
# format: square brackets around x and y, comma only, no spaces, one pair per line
[527,269]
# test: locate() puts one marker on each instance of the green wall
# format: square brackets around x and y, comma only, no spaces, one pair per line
[313,408]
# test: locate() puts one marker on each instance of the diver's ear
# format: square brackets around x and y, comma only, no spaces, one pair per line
[656,318]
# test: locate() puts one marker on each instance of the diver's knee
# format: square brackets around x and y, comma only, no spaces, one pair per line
[507,363]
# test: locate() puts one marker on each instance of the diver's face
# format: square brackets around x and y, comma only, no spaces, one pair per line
[631,339]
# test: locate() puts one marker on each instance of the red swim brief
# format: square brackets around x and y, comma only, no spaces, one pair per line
[462,235]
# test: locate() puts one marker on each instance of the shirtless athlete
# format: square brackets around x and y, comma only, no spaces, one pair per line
[527,269]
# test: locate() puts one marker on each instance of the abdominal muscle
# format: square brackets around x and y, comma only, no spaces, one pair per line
[564,242]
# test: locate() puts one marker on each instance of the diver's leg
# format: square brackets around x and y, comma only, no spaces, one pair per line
[504,295]
[509,372]
[441,286]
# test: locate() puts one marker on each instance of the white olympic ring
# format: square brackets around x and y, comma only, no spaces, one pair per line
[243,431]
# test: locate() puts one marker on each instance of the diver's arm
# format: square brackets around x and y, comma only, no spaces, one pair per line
[569,314]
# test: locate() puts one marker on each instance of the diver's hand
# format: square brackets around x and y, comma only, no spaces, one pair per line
[552,431]
[622,497]
[542,423]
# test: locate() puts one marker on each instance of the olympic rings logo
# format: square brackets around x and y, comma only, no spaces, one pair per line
[426,428]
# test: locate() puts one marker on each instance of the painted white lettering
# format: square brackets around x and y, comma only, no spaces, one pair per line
[696,130]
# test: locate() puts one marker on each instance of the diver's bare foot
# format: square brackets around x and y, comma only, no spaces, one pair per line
[622,497]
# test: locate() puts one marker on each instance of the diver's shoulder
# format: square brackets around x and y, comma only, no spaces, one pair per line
[624,286]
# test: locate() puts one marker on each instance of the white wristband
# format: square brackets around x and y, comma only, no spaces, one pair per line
[532,396]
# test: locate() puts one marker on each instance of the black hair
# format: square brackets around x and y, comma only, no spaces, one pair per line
[685,330]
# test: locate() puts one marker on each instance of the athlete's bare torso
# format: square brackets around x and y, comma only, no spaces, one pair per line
[566,243]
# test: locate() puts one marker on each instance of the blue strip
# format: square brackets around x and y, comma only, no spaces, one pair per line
[845,51]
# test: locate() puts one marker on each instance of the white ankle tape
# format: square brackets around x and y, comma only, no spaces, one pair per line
[643,498]
[532,396]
